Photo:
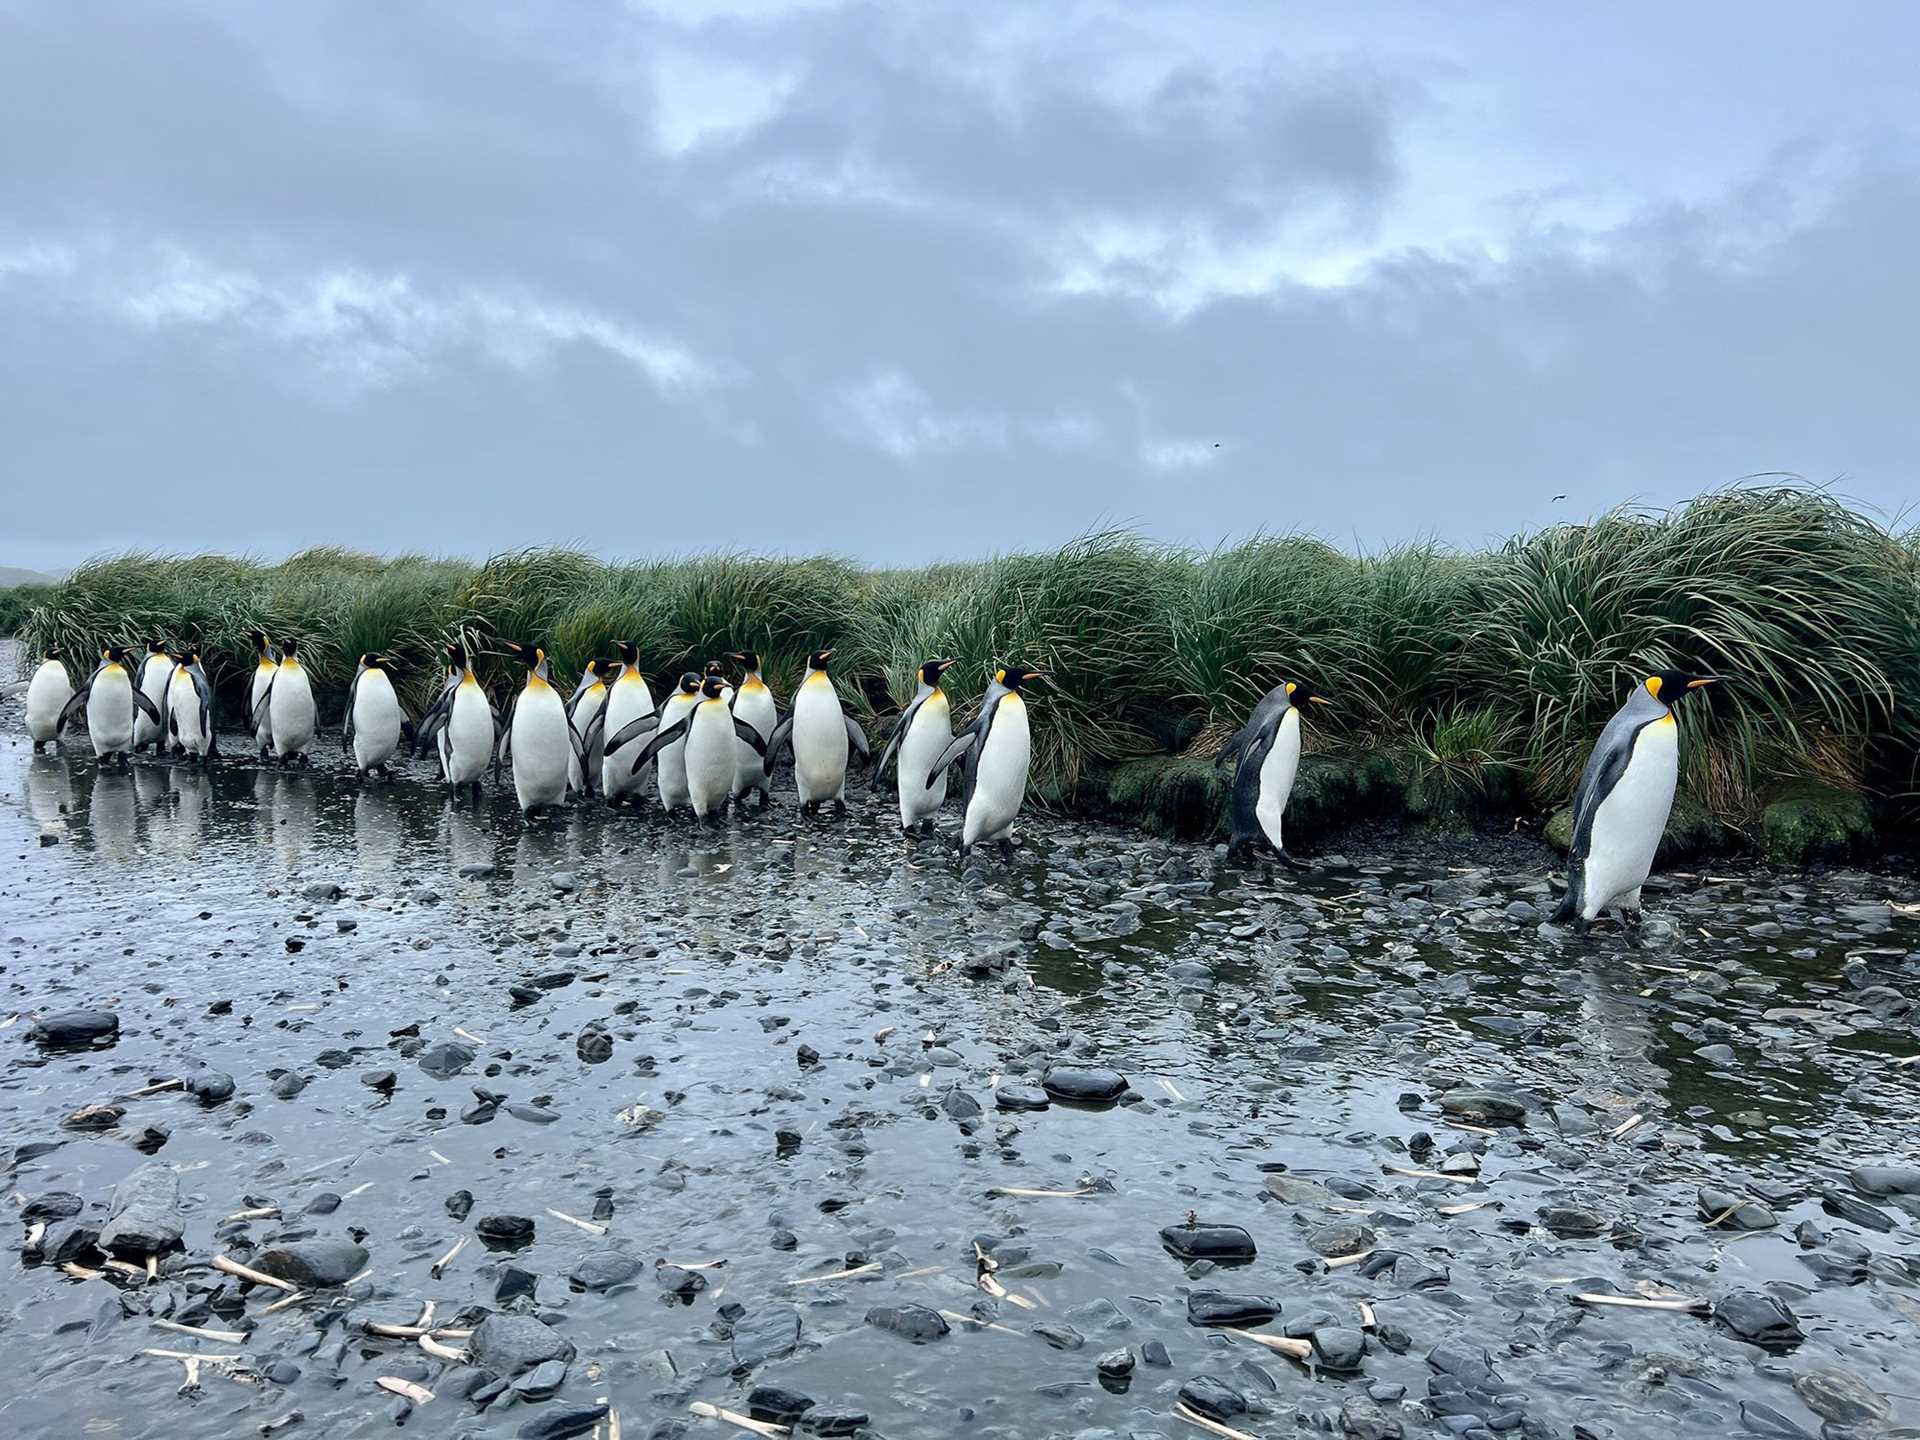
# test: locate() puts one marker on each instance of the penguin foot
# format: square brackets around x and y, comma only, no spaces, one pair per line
[1007,848]
[839,809]
[1292,862]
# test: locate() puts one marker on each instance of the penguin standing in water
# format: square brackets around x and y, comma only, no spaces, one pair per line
[587,712]
[998,747]
[259,717]
[1625,795]
[708,733]
[47,695]
[1268,751]
[156,671]
[111,700]
[628,700]
[822,736]
[289,703]
[670,773]
[187,711]
[924,731]
[374,718]
[462,724]
[539,739]
[753,702]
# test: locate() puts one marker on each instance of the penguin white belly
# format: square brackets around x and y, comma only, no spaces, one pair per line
[47,695]
[628,701]
[819,742]
[670,771]
[376,720]
[183,715]
[1000,779]
[262,714]
[755,706]
[468,736]
[292,711]
[1628,825]
[709,757]
[932,732]
[541,747]
[1277,770]
[154,678]
[110,712]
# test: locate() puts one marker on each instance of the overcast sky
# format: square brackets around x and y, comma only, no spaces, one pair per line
[907,281]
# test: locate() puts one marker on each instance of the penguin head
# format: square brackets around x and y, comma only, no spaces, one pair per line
[157,647]
[290,650]
[715,670]
[259,639]
[602,669]
[371,661]
[818,659]
[1670,687]
[629,652]
[52,652]
[712,686]
[1017,677]
[932,670]
[118,655]
[691,682]
[747,660]
[1299,695]
[456,656]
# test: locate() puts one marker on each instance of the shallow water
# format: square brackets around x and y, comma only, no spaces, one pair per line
[1266,1022]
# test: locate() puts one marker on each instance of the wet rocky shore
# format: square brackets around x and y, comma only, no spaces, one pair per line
[603,1124]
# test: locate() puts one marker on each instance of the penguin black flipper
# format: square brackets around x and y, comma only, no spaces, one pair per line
[660,742]
[630,731]
[346,730]
[76,704]
[255,707]
[596,726]
[966,742]
[752,736]
[899,733]
[856,736]
[781,738]
[142,701]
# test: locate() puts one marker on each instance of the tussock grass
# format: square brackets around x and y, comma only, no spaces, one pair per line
[1481,670]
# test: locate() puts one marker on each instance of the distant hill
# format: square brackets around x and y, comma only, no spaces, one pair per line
[11,575]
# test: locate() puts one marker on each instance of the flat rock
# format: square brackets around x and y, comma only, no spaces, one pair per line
[446,1060]
[834,1420]
[1222,1244]
[776,1405]
[1734,1212]
[1214,1398]
[1215,1307]
[1885,1180]
[1758,1319]
[511,1345]
[1841,1397]
[1343,1237]
[1485,1105]
[1021,1097]
[766,1335]
[504,1229]
[76,1029]
[1295,1191]
[144,1216]
[1083,1086]
[1337,1347]
[313,1264]
[562,1423]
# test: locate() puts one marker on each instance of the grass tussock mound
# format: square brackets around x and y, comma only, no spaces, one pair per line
[1489,673]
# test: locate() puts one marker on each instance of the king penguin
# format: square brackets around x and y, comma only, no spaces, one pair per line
[822,736]
[708,733]
[156,671]
[670,774]
[539,739]
[467,727]
[925,729]
[998,747]
[628,700]
[1268,751]
[111,700]
[187,711]
[1625,795]
[587,713]
[259,714]
[47,695]
[374,716]
[753,702]
[290,705]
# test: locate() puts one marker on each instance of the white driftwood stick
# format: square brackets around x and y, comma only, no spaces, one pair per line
[715,1412]
[1340,1262]
[286,1302]
[418,1394]
[1020,1192]
[976,1323]
[190,1355]
[224,1337]
[1213,1427]
[153,1089]
[447,1259]
[1279,1344]
[442,1352]
[1680,1303]
[265,1212]
[868,1269]
[592,1227]
[233,1267]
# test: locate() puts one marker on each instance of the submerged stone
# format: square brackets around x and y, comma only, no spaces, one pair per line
[604,1269]
[1885,1180]
[1214,1307]
[76,1030]
[313,1264]
[911,1322]
[144,1217]
[766,1335]
[1485,1105]
[511,1345]
[563,1424]
[1841,1397]
[446,1060]
[1758,1319]
[1021,1097]
[1730,1211]
[1214,1398]
[777,1406]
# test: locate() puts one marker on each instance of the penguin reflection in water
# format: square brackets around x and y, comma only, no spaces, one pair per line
[706,733]
[1626,793]
[997,748]
[1268,751]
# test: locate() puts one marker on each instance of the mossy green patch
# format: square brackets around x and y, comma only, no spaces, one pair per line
[1810,821]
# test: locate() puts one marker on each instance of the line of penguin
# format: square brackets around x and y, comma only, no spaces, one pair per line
[709,743]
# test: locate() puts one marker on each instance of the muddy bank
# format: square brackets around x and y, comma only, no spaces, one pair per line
[657,1119]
